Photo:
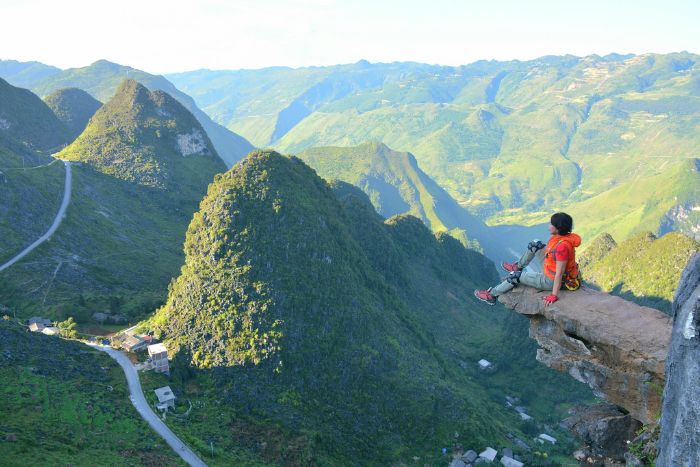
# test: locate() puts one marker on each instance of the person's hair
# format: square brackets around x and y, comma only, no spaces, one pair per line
[563,223]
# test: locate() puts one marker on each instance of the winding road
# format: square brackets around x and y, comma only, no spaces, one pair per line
[56,222]
[139,401]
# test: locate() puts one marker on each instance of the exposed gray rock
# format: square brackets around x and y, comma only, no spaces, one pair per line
[679,442]
[191,143]
[604,428]
[458,463]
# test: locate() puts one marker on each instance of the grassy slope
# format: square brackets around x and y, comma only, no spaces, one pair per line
[642,269]
[30,199]
[63,403]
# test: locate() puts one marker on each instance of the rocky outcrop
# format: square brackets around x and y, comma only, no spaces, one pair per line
[679,443]
[616,347]
[604,429]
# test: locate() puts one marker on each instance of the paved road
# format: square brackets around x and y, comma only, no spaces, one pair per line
[56,222]
[139,401]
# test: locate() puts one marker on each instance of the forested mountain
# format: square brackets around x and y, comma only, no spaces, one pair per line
[311,313]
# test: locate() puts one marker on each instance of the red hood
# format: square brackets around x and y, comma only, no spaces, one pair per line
[572,239]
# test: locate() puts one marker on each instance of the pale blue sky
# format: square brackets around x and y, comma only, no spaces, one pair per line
[165,36]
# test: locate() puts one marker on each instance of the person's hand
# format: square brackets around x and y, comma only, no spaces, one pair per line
[549,299]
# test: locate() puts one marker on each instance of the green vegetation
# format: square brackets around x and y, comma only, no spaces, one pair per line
[74,107]
[304,313]
[643,268]
[63,403]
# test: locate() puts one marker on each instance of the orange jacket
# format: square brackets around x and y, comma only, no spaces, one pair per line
[572,240]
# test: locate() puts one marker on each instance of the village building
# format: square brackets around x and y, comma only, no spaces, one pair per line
[39,320]
[134,343]
[489,454]
[484,364]
[51,331]
[166,398]
[159,358]
[36,327]
[545,437]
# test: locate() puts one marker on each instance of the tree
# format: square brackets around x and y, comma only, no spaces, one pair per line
[67,328]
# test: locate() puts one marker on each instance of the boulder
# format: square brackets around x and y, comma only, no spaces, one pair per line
[616,347]
[603,428]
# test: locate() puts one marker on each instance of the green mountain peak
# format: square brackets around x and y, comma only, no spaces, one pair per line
[146,137]
[74,107]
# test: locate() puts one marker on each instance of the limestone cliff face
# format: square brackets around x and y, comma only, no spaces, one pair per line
[617,347]
[679,442]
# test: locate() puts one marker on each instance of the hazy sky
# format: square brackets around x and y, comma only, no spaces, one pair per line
[164,36]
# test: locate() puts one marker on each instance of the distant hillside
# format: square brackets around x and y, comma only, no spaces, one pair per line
[643,268]
[102,78]
[145,163]
[396,185]
[509,140]
[304,312]
[27,124]
[669,201]
[64,404]
[74,107]
[25,74]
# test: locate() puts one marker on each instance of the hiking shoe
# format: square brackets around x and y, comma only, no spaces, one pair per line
[511,267]
[485,296]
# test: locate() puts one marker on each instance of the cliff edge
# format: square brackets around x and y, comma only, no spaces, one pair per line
[616,347]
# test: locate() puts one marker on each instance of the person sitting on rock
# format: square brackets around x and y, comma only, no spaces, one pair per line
[559,264]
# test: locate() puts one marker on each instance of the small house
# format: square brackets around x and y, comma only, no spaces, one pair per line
[166,398]
[159,357]
[484,364]
[134,343]
[507,461]
[524,416]
[546,437]
[489,454]
[36,327]
[51,330]
[39,320]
